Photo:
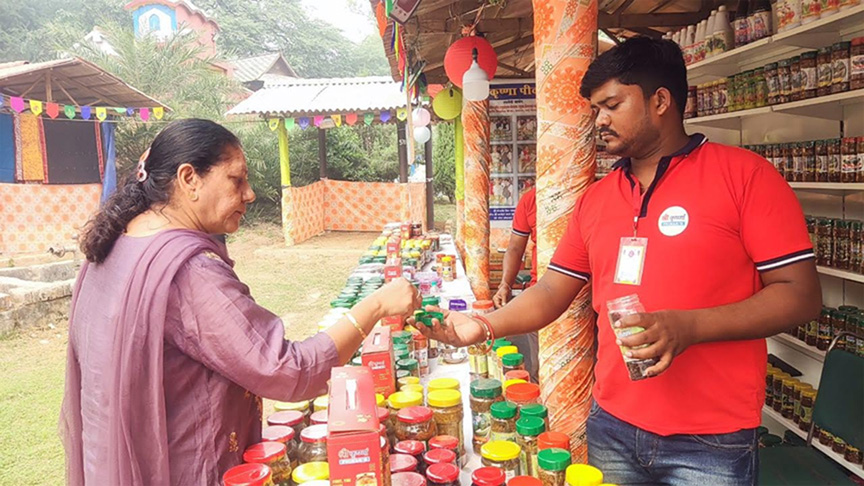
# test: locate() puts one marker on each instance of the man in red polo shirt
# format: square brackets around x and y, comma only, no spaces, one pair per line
[712,240]
[524,227]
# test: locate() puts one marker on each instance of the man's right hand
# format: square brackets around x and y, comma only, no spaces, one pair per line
[503,295]
[457,329]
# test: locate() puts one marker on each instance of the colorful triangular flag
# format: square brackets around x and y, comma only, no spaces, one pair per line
[101,113]
[85,112]
[158,112]
[120,111]
[69,111]
[289,124]
[273,123]
[36,107]
[303,122]
[337,119]
[401,114]
[351,119]
[368,118]
[52,109]
[317,120]
[385,116]
[144,113]
[130,111]
[17,103]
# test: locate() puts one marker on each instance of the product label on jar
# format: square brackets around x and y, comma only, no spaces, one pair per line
[479,363]
[840,71]
[824,73]
[856,67]
[834,163]
[850,163]
[829,5]
[482,425]
[508,436]
[824,330]
[760,25]
[742,31]
[808,78]
[810,9]
[822,164]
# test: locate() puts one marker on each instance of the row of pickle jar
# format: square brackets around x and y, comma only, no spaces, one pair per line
[830,160]
[832,323]
[838,243]
[794,400]
[831,69]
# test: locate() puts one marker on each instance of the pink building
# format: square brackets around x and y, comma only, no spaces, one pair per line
[163,18]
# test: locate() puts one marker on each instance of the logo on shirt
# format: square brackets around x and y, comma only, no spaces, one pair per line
[673,221]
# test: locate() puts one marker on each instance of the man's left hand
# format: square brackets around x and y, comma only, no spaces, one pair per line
[667,334]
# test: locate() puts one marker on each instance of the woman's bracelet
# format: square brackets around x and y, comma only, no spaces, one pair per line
[487,326]
[356,325]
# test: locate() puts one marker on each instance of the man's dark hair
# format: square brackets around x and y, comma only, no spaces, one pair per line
[650,63]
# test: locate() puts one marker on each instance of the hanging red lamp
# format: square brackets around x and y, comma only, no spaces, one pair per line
[458,58]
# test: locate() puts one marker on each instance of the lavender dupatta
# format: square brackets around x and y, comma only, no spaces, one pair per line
[136,429]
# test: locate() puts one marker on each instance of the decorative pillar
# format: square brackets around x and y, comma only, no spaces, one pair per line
[565,34]
[475,120]
[287,196]
[459,155]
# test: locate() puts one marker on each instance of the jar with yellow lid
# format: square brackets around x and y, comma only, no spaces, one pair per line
[415,388]
[303,407]
[788,406]
[311,471]
[796,398]
[500,353]
[447,406]
[503,455]
[777,392]
[583,475]
[321,403]
[408,380]
[808,398]
[399,400]
[443,384]
[380,400]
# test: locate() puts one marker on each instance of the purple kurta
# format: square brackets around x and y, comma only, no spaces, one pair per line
[220,352]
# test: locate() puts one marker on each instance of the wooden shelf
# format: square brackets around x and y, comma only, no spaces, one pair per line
[838,458]
[814,35]
[829,186]
[799,346]
[825,107]
[845,275]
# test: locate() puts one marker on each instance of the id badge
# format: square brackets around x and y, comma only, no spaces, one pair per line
[631,261]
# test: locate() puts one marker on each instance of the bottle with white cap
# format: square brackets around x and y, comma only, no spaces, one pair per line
[699,49]
[688,41]
[709,34]
[723,35]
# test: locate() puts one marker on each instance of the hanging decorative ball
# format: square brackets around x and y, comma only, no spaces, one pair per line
[421,117]
[457,60]
[422,134]
[448,103]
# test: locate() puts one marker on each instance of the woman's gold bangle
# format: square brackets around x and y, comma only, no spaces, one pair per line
[353,321]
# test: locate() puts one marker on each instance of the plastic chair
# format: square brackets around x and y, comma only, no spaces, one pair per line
[839,409]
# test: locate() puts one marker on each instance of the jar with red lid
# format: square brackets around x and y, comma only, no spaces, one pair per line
[400,463]
[856,63]
[525,481]
[517,375]
[285,435]
[318,418]
[384,418]
[413,448]
[415,423]
[553,440]
[449,443]
[408,479]
[248,475]
[273,454]
[313,444]
[523,394]
[289,418]
[488,476]
[445,474]
[439,456]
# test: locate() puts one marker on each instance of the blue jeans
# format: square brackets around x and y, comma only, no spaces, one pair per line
[628,455]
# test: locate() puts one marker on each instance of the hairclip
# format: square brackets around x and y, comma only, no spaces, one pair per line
[141,173]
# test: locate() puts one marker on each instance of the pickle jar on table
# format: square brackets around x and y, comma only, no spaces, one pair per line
[503,455]
[527,430]
[553,464]
[523,394]
[415,449]
[825,332]
[284,435]
[304,407]
[273,454]
[449,443]
[492,362]
[439,456]
[416,423]
[536,410]
[488,476]
[448,414]
[402,463]
[444,474]
[289,418]
[484,394]
[399,400]
[247,475]
[313,446]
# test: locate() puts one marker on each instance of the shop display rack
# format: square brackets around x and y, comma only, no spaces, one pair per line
[800,346]
[845,275]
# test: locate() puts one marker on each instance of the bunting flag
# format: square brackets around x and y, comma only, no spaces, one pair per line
[368,118]
[317,120]
[144,113]
[303,122]
[381,17]
[273,123]
[101,113]
[385,116]
[289,124]
[36,107]
[17,103]
[69,111]
[130,111]
[337,119]
[351,119]
[120,111]
[401,114]
[158,112]
[85,112]
[52,109]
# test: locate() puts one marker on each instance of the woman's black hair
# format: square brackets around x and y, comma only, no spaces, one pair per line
[649,63]
[200,143]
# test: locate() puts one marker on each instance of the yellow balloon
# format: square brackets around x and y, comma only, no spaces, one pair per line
[448,103]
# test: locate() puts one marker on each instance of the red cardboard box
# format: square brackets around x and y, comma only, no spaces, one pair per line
[353,442]
[393,269]
[378,356]
[394,248]
[395,323]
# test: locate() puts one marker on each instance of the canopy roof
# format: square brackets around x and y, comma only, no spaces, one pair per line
[70,81]
[509,27]
[313,97]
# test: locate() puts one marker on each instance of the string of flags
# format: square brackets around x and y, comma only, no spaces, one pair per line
[349,119]
[53,110]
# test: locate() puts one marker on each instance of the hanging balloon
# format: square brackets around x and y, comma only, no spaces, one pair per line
[458,58]
[448,103]
[421,117]
[422,134]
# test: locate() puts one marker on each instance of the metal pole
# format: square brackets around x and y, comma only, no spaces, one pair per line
[403,151]
[322,153]
[430,186]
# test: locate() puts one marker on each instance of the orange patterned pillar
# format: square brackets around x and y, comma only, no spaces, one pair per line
[565,34]
[287,196]
[475,123]
[459,155]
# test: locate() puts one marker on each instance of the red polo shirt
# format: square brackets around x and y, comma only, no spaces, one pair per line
[525,224]
[714,217]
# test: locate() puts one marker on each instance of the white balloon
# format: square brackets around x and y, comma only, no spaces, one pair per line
[421,117]
[422,134]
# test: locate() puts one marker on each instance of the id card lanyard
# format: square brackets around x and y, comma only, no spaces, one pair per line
[632,249]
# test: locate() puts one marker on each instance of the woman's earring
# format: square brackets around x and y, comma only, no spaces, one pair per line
[193,196]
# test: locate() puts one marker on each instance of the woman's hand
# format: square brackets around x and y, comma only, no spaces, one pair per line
[397,298]
[457,329]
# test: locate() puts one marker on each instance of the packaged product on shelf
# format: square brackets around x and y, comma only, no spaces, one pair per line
[835,161]
[443,475]
[809,77]
[853,455]
[618,309]
[788,407]
[415,449]
[784,79]
[503,455]
[449,443]
[760,20]
[378,356]
[304,407]
[808,154]
[840,66]
[354,441]
[810,10]
[770,374]
[527,430]
[777,392]
[288,418]
[553,440]
[797,93]
[552,466]
[583,475]
[448,413]
[859,142]
[488,476]
[415,423]
[828,8]
[741,24]
[856,63]
[439,456]
[772,83]
[823,71]
[503,417]
[402,463]
[273,454]
[788,14]
[248,475]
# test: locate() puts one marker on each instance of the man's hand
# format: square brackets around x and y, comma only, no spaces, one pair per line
[457,329]
[667,334]
[502,296]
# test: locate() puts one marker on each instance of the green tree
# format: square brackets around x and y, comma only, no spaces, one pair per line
[443,159]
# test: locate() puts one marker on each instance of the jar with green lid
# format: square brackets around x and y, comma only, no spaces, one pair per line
[527,430]
[511,362]
[503,455]
[826,330]
[492,362]
[583,475]
[411,365]
[761,87]
[448,414]
[825,235]
[535,410]
[500,353]
[552,466]
[402,337]
[403,374]
[484,393]
[400,352]
[503,421]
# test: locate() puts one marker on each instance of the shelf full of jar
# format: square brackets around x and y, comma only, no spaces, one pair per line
[828,451]
[784,44]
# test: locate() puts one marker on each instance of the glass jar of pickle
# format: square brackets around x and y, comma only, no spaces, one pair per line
[439,456]
[449,443]
[795,78]
[796,400]
[488,476]
[798,162]
[723,96]
[503,421]
[512,362]
[809,77]
[784,81]
[402,463]
[415,449]
[248,475]
[853,455]
[289,418]
[273,454]
[835,161]
[777,393]
[552,466]
[484,394]
[761,87]
[492,364]
[789,161]
[411,365]
[860,144]
[842,244]
[825,250]
[478,361]
[787,409]
[823,71]
[313,444]
[304,407]
[772,82]
[808,153]
[821,161]
[840,67]
[579,474]
[826,329]
[770,373]
[443,475]
[523,394]
[536,410]
[284,435]
[384,419]
[838,326]
[503,455]
[527,430]
[448,413]
[849,159]
[415,423]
